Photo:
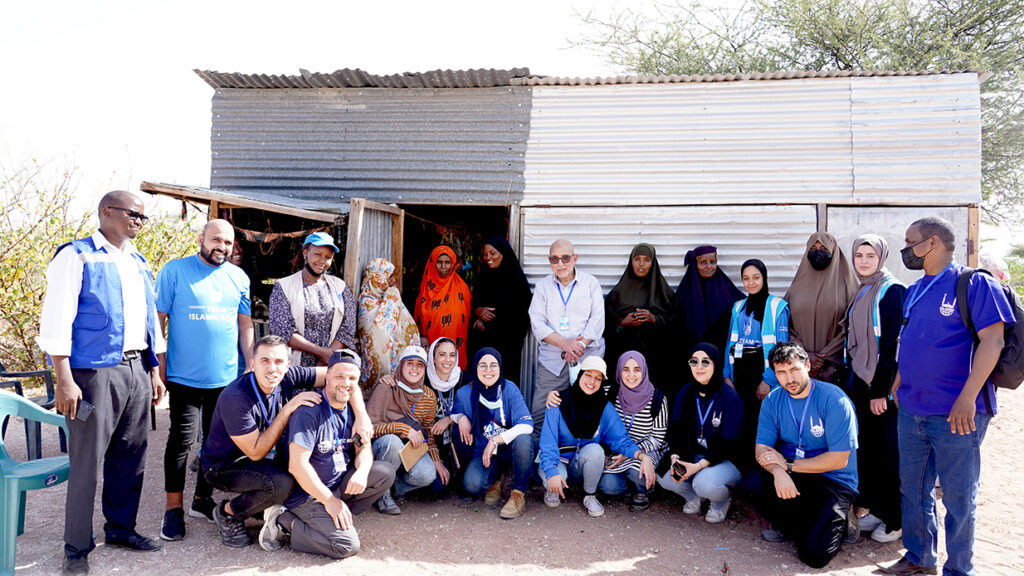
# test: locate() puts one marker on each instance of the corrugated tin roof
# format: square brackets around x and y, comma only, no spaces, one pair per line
[699,78]
[356,78]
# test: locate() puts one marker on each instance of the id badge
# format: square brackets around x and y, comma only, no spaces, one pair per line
[737,351]
[446,438]
[799,453]
[563,324]
[703,443]
[270,455]
[339,462]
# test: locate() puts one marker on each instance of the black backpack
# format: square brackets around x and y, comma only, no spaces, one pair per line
[1009,371]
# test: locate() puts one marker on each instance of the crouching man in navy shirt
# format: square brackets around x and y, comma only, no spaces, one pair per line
[244,452]
[807,443]
[335,474]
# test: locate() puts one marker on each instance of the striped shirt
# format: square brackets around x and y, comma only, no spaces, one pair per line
[648,433]
[425,411]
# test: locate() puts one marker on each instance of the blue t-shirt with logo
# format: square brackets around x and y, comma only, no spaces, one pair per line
[829,425]
[936,349]
[202,303]
[324,431]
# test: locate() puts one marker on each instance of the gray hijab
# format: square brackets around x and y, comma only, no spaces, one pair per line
[861,344]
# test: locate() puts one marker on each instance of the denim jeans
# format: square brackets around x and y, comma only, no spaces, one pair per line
[713,483]
[928,449]
[586,464]
[613,483]
[518,455]
[387,448]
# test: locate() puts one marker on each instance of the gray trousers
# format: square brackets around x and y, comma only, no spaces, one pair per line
[313,529]
[115,436]
[545,382]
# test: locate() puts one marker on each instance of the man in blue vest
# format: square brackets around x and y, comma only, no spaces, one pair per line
[99,327]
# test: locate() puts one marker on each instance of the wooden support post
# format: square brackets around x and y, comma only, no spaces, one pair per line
[398,243]
[973,235]
[214,210]
[355,229]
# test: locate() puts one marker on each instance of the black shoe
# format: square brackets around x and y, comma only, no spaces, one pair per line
[905,567]
[135,541]
[75,566]
[202,508]
[639,503]
[852,526]
[173,528]
[232,528]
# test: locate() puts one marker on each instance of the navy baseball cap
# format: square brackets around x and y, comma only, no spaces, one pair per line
[320,239]
[344,355]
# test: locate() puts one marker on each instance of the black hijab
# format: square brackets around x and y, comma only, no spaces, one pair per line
[756,302]
[581,411]
[704,301]
[651,292]
[490,393]
[495,285]
[717,380]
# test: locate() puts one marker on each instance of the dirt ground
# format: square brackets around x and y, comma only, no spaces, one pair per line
[451,537]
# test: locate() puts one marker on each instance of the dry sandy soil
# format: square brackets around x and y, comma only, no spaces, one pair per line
[450,537]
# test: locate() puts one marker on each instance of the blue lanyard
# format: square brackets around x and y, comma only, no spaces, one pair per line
[565,299]
[918,294]
[704,417]
[630,426]
[446,403]
[339,442]
[800,423]
[272,401]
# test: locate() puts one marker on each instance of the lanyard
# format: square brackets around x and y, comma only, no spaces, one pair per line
[496,404]
[272,401]
[704,417]
[339,442]
[918,294]
[630,426]
[565,299]
[446,403]
[800,423]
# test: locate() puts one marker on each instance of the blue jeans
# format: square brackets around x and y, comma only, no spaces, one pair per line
[613,483]
[927,449]
[387,448]
[586,464]
[518,455]
[713,483]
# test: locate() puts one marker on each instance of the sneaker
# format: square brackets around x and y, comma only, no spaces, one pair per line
[387,505]
[852,526]
[232,528]
[593,506]
[880,534]
[493,493]
[639,503]
[692,506]
[202,508]
[770,534]
[270,534]
[515,507]
[716,516]
[869,522]
[174,525]
[552,499]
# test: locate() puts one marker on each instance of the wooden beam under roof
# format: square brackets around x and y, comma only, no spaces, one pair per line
[228,200]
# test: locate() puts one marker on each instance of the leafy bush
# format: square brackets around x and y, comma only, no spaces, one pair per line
[39,213]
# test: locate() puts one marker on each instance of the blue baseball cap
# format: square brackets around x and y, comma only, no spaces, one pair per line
[320,239]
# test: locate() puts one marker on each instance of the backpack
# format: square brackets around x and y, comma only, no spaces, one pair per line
[1009,370]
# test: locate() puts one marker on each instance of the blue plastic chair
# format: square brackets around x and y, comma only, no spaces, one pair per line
[18,477]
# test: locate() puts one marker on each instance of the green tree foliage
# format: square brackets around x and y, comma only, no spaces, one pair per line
[39,214]
[772,35]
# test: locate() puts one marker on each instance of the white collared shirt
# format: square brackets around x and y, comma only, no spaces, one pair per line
[64,284]
[585,310]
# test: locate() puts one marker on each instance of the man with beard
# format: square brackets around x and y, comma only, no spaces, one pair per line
[99,327]
[205,301]
[807,445]
[313,310]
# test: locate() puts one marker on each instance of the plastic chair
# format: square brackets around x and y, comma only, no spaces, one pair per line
[47,402]
[18,477]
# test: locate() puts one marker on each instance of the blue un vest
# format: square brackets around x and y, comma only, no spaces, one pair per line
[97,334]
[773,305]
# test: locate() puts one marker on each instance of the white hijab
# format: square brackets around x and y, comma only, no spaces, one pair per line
[435,380]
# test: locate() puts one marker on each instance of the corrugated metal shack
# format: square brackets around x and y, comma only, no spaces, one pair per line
[752,163]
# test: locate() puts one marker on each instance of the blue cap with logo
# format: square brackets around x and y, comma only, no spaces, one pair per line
[320,239]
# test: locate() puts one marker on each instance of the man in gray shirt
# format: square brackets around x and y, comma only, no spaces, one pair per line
[567,319]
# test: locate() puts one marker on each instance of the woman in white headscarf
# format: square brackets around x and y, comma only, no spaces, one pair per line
[873,326]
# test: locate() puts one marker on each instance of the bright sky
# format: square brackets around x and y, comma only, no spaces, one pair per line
[108,86]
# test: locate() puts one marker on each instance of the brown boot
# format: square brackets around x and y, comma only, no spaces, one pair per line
[515,507]
[493,493]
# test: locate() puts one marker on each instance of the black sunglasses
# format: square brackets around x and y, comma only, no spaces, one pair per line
[131,214]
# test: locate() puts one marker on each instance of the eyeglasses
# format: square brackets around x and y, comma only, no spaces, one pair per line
[131,214]
[563,259]
[492,366]
[693,362]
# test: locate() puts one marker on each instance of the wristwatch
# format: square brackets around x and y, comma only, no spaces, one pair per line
[789,466]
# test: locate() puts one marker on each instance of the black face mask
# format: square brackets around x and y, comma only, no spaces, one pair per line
[910,260]
[819,259]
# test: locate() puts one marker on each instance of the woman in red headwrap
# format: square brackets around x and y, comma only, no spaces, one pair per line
[443,303]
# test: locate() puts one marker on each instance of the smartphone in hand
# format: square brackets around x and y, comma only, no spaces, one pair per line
[85,410]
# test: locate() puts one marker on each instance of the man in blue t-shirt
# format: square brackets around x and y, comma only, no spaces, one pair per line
[243,452]
[807,445]
[944,398]
[335,474]
[205,301]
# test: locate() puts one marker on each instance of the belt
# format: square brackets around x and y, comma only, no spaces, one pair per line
[131,355]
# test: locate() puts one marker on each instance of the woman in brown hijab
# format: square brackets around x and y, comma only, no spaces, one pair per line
[818,298]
